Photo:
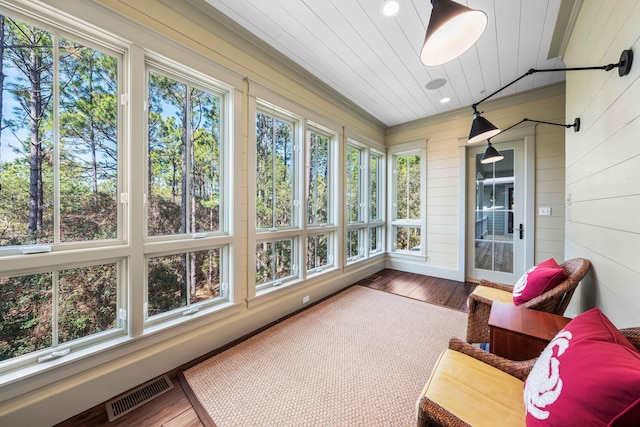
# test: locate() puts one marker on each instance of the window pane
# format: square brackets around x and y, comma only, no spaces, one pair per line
[495,199]
[408,239]
[88,301]
[274,172]
[26,314]
[185,158]
[264,266]
[408,187]
[205,271]
[88,143]
[179,280]
[318,251]
[167,152]
[167,278]
[274,261]
[374,176]
[317,179]
[375,239]
[26,199]
[205,157]
[353,244]
[353,184]
[87,115]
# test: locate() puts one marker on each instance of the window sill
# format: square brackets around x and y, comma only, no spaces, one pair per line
[278,291]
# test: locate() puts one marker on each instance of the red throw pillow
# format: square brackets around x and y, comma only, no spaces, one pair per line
[588,375]
[538,280]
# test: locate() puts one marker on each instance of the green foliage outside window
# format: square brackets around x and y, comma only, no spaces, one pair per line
[180,280]
[317,251]
[273,261]
[184,158]
[274,172]
[408,187]
[353,184]
[317,179]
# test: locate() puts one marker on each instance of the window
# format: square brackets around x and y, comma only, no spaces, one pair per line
[406,223]
[181,280]
[59,164]
[364,202]
[276,188]
[275,171]
[295,161]
[318,185]
[319,154]
[186,198]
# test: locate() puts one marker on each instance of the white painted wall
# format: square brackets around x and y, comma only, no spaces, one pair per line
[603,160]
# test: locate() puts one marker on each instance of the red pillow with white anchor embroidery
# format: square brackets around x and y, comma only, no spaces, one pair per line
[588,375]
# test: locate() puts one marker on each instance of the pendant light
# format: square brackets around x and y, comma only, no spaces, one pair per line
[491,155]
[453,28]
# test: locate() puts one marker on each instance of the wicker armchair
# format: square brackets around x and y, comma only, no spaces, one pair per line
[554,301]
[432,414]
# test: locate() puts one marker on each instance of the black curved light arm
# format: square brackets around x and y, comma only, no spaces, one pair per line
[623,66]
[575,125]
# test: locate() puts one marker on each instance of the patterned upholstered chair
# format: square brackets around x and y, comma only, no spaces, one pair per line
[554,301]
[471,387]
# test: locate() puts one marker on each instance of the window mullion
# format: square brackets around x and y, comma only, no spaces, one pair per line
[56,139]
[273,174]
[55,307]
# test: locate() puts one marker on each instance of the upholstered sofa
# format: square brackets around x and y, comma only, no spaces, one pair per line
[472,387]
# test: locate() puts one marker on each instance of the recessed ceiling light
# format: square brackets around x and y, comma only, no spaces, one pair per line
[445,100]
[390,8]
[436,84]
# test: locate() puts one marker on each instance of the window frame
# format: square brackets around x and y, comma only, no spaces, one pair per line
[178,244]
[302,231]
[30,259]
[365,224]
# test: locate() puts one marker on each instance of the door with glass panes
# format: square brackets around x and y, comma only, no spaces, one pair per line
[495,218]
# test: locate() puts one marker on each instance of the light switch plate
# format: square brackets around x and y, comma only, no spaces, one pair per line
[544,211]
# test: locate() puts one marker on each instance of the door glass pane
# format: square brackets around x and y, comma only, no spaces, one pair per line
[494,207]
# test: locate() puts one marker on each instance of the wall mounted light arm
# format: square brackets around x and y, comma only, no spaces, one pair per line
[575,125]
[482,128]
[491,155]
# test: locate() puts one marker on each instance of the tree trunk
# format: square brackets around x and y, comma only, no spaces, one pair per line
[35,151]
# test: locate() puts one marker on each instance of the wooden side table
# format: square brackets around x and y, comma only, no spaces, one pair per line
[520,333]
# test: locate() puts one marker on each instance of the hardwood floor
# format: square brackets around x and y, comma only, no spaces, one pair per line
[173,409]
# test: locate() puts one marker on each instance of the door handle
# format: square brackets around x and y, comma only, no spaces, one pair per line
[521,229]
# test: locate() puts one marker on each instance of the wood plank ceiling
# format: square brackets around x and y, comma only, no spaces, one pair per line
[374,60]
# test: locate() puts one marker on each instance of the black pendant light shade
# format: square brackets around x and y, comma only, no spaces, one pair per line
[453,28]
[491,155]
[481,129]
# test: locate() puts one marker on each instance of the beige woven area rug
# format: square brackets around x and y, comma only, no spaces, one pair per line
[358,358]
